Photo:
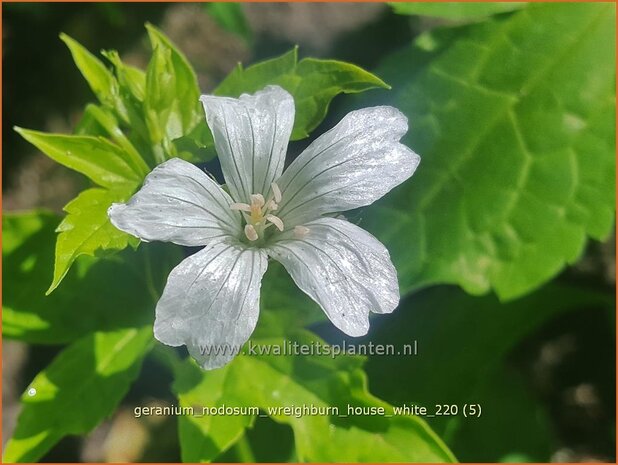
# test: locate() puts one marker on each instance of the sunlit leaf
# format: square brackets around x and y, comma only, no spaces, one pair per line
[312,82]
[172,90]
[99,78]
[517,160]
[279,381]
[80,388]
[86,230]
[105,163]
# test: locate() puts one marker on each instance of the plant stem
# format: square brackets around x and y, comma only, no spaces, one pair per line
[243,450]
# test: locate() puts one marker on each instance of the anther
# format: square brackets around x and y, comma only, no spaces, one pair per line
[276,221]
[241,206]
[301,231]
[251,233]
[276,192]
[257,200]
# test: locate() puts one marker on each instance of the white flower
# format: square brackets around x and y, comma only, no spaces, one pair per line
[211,299]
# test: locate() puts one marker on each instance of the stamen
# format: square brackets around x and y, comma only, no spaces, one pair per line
[240,206]
[257,200]
[251,233]
[276,192]
[301,231]
[276,221]
[257,214]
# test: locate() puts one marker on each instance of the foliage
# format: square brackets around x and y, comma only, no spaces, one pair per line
[518,159]
[78,390]
[317,381]
[513,116]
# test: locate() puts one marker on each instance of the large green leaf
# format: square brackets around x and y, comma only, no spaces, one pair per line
[80,388]
[455,10]
[105,163]
[86,230]
[28,259]
[313,83]
[514,122]
[279,381]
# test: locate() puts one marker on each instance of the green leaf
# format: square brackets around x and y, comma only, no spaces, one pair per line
[80,388]
[103,121]
[230,16]
[455,10]
[313,83]
[28,259]
[94,71]
[132,90]
[204,438]
[172,91]
[99,78]
[284,381]
[86,229]
[518,160]
[129,77]
[161,116]
[105,163]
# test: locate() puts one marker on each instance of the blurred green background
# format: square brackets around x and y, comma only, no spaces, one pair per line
[542,366]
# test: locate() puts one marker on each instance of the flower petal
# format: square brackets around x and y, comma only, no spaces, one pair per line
[346,270]
[211,302]
[352,165]
[178,203]
[251,135]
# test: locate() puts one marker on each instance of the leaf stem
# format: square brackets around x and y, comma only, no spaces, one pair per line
[243,450]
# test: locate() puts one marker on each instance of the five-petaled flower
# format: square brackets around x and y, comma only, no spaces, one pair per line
[211,298]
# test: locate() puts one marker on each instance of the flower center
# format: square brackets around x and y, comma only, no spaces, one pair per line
[258,214]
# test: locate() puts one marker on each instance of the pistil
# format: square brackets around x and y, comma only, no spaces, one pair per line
[257,214]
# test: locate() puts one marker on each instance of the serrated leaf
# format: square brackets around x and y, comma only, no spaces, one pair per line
[28,260]
[455,10]
[517,160]
[313,83]
[80,388]
[86,230]
[204,437]
[280,381]
[103,162]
